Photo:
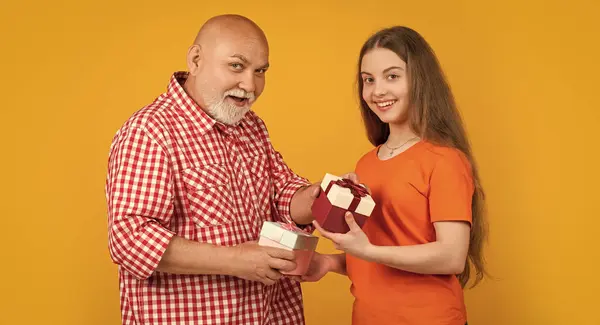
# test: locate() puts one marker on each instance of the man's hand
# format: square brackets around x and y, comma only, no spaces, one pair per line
[260,263]
[303,199]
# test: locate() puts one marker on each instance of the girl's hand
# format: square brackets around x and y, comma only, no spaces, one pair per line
[354,242]
[320,265]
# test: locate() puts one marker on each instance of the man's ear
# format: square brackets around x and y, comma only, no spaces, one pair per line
[194,59]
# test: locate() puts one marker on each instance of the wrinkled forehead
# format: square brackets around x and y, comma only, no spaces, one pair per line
[251,46]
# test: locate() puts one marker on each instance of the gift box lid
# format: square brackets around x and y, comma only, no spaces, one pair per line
[342,196]
[289,235]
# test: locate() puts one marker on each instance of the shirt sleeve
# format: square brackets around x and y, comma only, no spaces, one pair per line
[139,197]
[451,189]
[285,182]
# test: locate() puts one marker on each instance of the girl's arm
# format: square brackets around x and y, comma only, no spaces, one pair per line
[447,255]
[337,263]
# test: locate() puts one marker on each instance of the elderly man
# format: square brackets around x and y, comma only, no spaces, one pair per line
[191,179]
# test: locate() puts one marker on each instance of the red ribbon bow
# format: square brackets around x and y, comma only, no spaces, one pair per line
[357,191]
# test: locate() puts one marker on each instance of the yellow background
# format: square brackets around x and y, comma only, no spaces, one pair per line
[525,76]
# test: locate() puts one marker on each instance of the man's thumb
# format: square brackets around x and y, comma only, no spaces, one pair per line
[316,190]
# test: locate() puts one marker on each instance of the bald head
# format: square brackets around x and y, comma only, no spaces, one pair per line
[227,65]
[229,25]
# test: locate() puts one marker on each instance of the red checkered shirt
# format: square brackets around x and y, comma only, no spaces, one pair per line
[174,170]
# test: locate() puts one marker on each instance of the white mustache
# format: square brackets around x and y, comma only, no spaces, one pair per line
[239,93]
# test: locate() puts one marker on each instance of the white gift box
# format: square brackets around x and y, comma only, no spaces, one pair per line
[290,237]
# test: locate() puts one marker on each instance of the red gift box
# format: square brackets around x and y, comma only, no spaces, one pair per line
[338,196]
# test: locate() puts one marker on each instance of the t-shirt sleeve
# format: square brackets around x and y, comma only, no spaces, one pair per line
[451,188]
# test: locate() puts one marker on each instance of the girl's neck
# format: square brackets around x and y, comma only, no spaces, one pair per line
[400,133]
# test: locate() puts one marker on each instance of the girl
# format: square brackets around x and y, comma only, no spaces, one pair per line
[410,262]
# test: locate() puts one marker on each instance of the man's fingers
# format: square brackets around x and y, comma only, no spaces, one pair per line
[273,275]
[280,253]
[283,265]
[314,190]
[268,281]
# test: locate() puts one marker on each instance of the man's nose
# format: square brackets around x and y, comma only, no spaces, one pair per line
[248,82]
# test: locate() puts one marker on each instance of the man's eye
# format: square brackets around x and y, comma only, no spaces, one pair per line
[236,66]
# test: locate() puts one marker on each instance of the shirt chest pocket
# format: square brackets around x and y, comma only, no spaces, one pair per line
[209,197]
[261,182]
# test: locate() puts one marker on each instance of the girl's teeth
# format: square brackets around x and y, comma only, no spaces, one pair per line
[385,104]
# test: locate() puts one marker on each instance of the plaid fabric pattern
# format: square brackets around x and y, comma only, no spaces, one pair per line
[174,170]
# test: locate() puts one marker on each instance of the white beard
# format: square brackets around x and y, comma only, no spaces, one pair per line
[228,113]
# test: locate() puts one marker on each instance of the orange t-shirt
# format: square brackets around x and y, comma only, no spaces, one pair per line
[424,184]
